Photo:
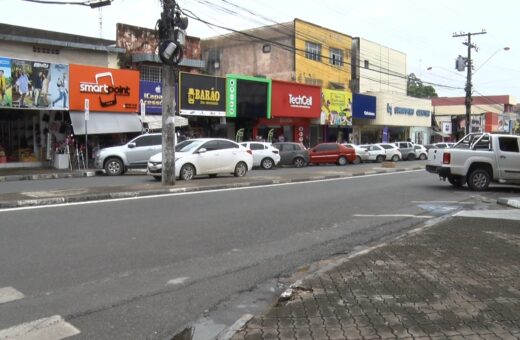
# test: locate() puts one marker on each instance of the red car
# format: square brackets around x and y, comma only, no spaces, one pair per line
[331,153]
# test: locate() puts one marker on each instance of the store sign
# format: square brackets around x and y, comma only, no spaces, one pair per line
[202,95]
[336,108]
[36,85]
[295,100]
[150,93]
[407,111]
[446,127]
[363,106]
[248,97]
[109,90]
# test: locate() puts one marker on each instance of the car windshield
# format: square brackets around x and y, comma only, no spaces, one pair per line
[188,145]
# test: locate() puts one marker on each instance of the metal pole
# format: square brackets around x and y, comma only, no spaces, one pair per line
[86,145]
[468,87]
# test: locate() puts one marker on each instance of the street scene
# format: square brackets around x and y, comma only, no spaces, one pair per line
[196,170]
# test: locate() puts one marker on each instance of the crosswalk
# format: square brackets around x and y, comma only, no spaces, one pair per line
[48,328]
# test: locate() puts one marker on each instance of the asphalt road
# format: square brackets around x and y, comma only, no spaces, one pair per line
[145,268]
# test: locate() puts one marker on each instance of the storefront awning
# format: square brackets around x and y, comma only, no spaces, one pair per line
[154,122]
[445,135]
[105,122]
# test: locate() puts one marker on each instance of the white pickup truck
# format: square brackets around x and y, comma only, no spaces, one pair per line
[478,159]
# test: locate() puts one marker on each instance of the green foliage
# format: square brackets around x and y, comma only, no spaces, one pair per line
[416,88]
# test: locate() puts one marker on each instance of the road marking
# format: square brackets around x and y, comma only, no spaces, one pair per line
[178,281]
[250,187]
[392,215]
[507,214]
[8,294]
[51,328]
[441,202]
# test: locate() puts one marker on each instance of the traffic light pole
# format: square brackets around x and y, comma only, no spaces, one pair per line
[168,104]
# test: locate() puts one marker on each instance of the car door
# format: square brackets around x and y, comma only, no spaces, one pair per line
[229,155]
[142,148]
[285,152]
[508,155]
[325,153]
[258,151]
[208,161]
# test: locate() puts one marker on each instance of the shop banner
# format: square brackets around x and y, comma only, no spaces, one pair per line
[363,106]
[150,93]
[6,83]
[109,90]
[248,97]
[336,108]
[33,84]
[295,100]
[202,95]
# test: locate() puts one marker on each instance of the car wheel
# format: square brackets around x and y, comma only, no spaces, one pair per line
[380,158]
[411,157]
[187,172]
[357,160]
[240,169]
[422,157]
[299,162]
[478,179]
[267,163]
[114,167]
[342,160]
[456,181]
[395,158]
[158,178]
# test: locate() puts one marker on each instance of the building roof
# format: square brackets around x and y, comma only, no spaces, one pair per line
[476,100]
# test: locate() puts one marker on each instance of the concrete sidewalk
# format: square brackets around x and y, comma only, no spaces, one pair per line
[459,279]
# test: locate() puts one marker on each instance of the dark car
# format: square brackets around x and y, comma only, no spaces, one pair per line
[292,154]
[331,153]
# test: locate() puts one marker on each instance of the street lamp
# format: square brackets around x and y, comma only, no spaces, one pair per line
[507,48]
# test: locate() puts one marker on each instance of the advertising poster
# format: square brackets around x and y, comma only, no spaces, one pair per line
[6,94]
[57,86]
[108,90]
[21,72]
[202,95]
[40,73]
[150,92]
[336,108]
[248,97]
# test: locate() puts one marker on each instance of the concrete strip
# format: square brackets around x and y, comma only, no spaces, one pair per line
[229,332]
[8,294]
[513,202]
[51,328]
[508,214]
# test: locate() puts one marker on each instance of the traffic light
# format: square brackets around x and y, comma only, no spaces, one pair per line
[172,51]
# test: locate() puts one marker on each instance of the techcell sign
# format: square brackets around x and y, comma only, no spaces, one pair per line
[295,100]
[363,106]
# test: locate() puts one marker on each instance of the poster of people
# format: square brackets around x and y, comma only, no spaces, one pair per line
[336,108]
[6,95]
[33,84]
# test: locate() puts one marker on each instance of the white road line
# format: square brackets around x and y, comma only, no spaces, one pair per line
[392,215]
[51,328]
[178,281]
[8,294]
[441,202]
[508,214]
[112,200]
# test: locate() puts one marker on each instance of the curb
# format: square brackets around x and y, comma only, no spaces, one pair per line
[153,192]
[510,202]
[12,178]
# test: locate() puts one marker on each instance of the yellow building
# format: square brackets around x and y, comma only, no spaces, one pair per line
[322,56]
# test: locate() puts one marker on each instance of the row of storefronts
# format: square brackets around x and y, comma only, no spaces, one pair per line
[48,109]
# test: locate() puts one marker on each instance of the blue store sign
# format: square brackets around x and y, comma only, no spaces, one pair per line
[363,106]
[151,95]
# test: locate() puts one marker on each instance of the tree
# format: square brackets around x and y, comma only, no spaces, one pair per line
[416,88]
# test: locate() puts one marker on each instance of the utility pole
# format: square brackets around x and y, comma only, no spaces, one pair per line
[469,65]
[172,39]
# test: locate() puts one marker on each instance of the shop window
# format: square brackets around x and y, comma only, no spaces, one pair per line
[151,73]
[367,64]
[312,51]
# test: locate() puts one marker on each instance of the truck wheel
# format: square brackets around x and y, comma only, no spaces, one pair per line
[456,181]
[114,167]
[479,179]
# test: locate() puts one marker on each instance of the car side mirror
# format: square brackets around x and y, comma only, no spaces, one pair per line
[132,145]
[202,150]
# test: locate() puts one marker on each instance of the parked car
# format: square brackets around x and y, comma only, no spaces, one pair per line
[375,152]
[265,155]
[205,156]
[331,153]
[117,160]
[420,152]
[443,145]
[407,150]
[292,154]
[392,152]
[361,153]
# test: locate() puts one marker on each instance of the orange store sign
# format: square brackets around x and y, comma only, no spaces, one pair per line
[108,90]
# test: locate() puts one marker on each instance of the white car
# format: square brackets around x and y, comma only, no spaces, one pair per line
[375,152]
[392,152]
[361,153]
[205,156]
[265,155]
[420,152]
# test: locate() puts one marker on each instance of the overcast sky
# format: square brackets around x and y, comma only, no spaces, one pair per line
[421,29]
